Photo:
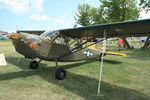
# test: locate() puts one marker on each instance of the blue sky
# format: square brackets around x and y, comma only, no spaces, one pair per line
[41,14]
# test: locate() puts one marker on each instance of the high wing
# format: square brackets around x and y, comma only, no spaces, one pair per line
[36,32]
[134,28]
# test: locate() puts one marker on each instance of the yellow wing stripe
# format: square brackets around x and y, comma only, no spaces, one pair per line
[96,47]
[116,53]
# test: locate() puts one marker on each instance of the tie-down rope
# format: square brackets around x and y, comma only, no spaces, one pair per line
[101,65]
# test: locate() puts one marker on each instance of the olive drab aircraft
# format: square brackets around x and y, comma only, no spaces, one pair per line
[73,44]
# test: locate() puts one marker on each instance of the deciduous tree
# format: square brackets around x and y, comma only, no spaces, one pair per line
[145,4]
[109,11]
[83,16]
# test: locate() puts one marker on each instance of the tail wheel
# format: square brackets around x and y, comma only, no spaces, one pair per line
[33,65]
[60,74]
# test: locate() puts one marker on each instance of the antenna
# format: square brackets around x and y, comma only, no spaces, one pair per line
[17,28]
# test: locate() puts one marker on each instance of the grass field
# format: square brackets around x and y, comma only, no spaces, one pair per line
[124,78]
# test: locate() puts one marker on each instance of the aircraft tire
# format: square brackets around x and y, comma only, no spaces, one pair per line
[132,47]
[60,74]
[33,65]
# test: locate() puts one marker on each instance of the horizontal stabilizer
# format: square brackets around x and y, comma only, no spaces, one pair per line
[116,53]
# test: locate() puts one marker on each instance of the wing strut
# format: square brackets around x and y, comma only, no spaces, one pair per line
[101,65]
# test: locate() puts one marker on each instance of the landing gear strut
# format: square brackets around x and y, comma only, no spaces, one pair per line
[60,73]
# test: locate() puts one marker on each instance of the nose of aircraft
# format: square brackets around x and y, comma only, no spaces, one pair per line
[30,45]
[15,36]
[23,44]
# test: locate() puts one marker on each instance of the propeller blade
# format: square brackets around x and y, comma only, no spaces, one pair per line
[19,59]
[15,36]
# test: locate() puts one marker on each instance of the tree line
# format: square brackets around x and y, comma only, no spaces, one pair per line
[111,11]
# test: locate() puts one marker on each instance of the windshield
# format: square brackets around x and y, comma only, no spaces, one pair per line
[47,33]
[51,35]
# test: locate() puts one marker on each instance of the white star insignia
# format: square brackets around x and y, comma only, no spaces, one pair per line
[88,53]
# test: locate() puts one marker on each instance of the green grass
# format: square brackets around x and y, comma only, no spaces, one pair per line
[124,78]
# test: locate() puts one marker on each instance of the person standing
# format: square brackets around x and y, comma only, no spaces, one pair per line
[119,44]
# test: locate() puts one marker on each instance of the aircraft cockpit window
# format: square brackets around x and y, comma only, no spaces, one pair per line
[46,33]
[60,40]
[49,33]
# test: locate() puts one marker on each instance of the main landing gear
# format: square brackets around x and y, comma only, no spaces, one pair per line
[60,73]
[34,64]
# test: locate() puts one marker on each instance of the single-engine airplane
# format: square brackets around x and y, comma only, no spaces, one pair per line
[73,44]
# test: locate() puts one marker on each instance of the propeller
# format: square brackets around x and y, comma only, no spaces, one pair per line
[33,43]
[7,35]
[19,59]
[15,36]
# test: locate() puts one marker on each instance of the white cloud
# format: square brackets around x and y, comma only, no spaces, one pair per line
[37,5]
[59,20]
[40,17]
[22,6]
[45,18]
[64,15]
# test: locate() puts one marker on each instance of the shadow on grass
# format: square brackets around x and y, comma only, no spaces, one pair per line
[20,62]
[139,54]
[78,84]
[112,61]
[24,63]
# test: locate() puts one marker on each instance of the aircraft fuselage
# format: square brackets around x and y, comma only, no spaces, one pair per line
[35,46]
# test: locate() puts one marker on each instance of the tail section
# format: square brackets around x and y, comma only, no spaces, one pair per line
[116,53]
[98,47]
